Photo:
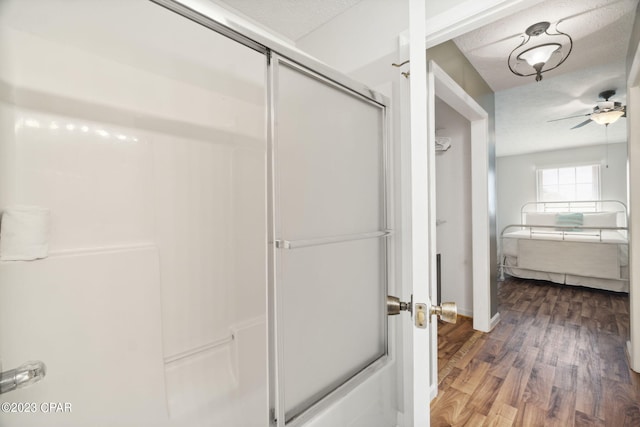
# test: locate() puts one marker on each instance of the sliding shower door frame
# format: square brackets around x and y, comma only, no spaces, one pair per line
[202,13]
[277,367]
[199,12]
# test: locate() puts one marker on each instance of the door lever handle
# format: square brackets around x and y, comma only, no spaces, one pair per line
[22,376]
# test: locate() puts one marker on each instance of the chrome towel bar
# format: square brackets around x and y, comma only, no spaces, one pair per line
[294,244]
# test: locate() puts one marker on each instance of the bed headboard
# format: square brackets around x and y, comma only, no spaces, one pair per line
[610,213]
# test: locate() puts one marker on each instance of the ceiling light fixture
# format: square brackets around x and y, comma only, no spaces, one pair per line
[544,53]
[606,117]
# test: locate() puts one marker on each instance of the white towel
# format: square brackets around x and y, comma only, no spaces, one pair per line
[24,233]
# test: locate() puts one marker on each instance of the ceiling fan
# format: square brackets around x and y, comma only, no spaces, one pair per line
[604,113]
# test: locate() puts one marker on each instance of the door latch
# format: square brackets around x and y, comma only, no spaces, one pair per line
[395,306]
[447,312]
[421,319]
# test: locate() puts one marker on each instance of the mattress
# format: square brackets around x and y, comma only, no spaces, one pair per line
[593,259]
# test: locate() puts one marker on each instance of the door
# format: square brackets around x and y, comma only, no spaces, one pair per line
[421,206]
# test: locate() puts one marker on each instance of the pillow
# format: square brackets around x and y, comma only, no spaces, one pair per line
[574,219]
[601,219]
[540,218]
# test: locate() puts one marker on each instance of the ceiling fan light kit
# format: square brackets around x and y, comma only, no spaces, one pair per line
[604,113]
[606,117]
[540,51]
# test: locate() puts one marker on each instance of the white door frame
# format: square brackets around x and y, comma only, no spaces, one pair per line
[633,177]
[470,15]
[452,94]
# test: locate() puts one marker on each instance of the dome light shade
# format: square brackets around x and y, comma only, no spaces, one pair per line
[539,54]
[607,117]
[540,51]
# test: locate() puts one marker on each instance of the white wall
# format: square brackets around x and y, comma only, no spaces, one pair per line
[516,175]
[453,206]
[361,35]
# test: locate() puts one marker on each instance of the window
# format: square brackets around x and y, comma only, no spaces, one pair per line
[573,183]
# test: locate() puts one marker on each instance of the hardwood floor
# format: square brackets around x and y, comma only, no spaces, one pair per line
[557,358]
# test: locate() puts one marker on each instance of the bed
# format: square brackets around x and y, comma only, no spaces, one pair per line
[573,243]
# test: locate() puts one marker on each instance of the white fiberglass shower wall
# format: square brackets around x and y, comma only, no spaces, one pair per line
[199,273]
[144,135]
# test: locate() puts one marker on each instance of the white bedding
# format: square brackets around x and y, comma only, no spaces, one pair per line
[590,258]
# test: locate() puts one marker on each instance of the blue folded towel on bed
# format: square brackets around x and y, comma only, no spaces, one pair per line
[574,219]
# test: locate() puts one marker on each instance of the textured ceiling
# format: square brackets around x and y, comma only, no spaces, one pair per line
[600,30]
[523,112]
[291,18]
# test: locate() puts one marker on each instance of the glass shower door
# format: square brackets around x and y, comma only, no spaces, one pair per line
[330,215]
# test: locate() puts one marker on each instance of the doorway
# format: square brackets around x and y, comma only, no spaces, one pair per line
[453,208]
[469,229]
[450,93]
[466,21]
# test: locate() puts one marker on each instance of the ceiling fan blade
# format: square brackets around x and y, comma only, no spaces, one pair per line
[586,122]
[570,117]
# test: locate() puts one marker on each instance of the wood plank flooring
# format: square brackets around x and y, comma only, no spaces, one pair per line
[557,358]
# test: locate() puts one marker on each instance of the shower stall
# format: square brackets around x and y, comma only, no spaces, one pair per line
[209,198]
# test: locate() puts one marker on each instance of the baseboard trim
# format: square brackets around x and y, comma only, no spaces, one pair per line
[629,354]
[434,391]
[494,321]
[464,312]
